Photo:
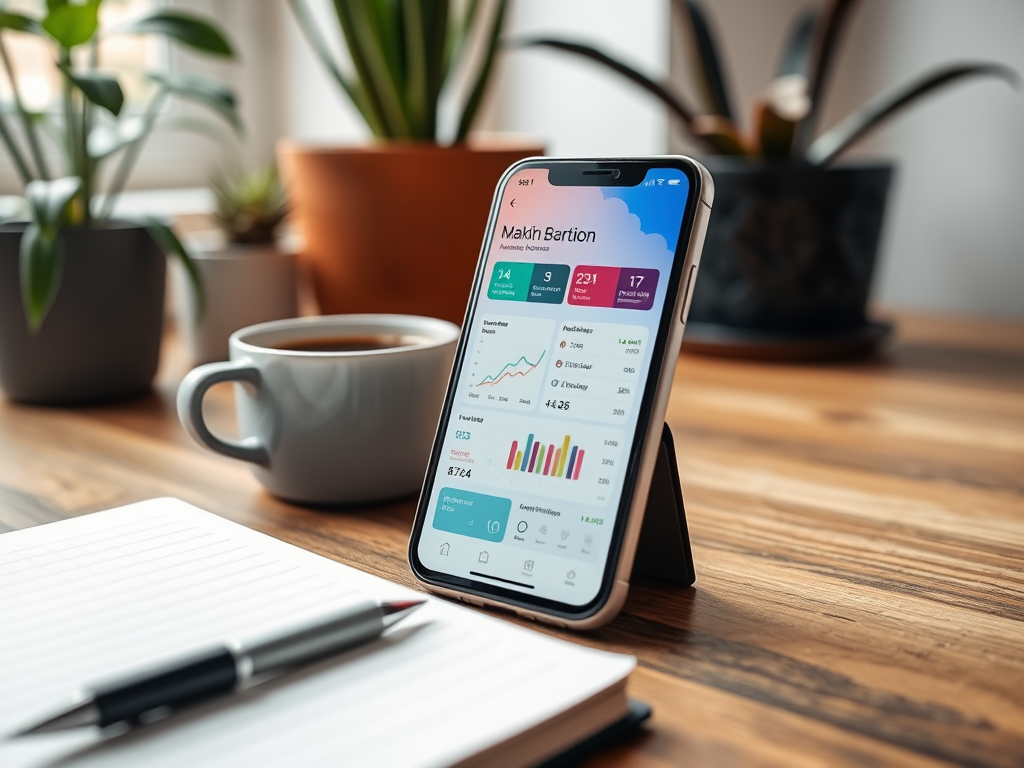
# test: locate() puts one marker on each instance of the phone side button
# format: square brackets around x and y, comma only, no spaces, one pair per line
[686,293]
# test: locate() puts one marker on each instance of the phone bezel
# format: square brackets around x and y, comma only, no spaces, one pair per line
[635,167]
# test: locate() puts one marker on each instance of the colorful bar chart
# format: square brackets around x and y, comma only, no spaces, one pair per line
[548,460]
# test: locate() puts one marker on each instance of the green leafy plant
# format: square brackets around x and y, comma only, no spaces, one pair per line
[785,116]
[403,54]
[249,206]
[93,129]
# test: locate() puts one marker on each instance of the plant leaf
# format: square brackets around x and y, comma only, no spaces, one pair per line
[185,28]
[872,114]
[48,200]
[169,243]
[353,90]
[483,77]
[370,46]
[719,133]
[455,41]
[674,104]
[777,111]
[102,90]
[774,133]
[204,90]
[72,25]
[827,31]
[436,34]
[40,267]
[417,86]
[41,251]
[712,80]
[796,55]
[17,22]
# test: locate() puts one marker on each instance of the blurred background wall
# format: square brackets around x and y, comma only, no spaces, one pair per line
[954,238]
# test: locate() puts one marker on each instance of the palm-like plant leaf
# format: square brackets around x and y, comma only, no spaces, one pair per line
[483,75]
[796,54]
[435,20]
[370,45]
[828,29]
[872,114]
[455,43]
[417,71]
[720,134]
[706,59]
[353,89]
[674,104]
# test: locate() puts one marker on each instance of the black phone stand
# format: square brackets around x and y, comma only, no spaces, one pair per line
[663,551]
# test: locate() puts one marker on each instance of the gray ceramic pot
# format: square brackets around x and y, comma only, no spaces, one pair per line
[790,247]
[101,339]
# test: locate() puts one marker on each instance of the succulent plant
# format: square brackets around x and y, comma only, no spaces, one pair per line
[786,114]
[249,205]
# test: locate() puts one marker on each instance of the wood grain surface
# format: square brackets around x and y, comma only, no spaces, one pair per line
[857,529]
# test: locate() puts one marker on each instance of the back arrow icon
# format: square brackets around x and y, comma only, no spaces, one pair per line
[513,203]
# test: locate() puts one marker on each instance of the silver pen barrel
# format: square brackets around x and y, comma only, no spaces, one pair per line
[351,626]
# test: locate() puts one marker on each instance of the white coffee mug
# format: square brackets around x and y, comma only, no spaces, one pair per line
[330,427]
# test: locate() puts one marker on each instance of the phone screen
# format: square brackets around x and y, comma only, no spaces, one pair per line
[529,478]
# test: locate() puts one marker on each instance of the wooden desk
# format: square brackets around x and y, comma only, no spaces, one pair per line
[858,532]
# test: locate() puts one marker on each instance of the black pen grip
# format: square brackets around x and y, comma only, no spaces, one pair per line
[177,685]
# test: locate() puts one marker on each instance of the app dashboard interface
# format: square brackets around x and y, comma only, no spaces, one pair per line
[534,457]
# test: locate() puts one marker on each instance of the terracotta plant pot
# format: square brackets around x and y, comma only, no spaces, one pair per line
[243,285]
[101,339]
[393,228]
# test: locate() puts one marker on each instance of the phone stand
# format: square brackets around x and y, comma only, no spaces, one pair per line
[663,551]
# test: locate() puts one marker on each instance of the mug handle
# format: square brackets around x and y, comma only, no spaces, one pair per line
[190,408]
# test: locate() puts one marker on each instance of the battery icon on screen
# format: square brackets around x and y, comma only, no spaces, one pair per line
[673,181]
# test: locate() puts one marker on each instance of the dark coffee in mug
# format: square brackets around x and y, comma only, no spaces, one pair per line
[351,343]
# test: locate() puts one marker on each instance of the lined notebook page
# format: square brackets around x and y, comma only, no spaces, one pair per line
[108,593]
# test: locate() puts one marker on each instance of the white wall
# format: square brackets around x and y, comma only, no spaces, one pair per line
[954,238]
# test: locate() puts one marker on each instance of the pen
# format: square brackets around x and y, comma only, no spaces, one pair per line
[224,668]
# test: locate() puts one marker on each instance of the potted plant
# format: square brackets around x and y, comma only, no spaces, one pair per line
[791,245]
[396,226]
[81,294]
[246,277]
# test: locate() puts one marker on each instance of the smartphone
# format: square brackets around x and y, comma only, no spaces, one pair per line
[538,477]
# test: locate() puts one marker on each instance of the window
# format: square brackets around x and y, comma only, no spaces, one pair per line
[127,55]
[172,157]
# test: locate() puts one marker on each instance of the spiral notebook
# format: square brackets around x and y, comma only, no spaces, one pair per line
[104,594]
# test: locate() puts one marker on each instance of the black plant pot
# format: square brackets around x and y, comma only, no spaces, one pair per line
[101,339]
[788,259]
